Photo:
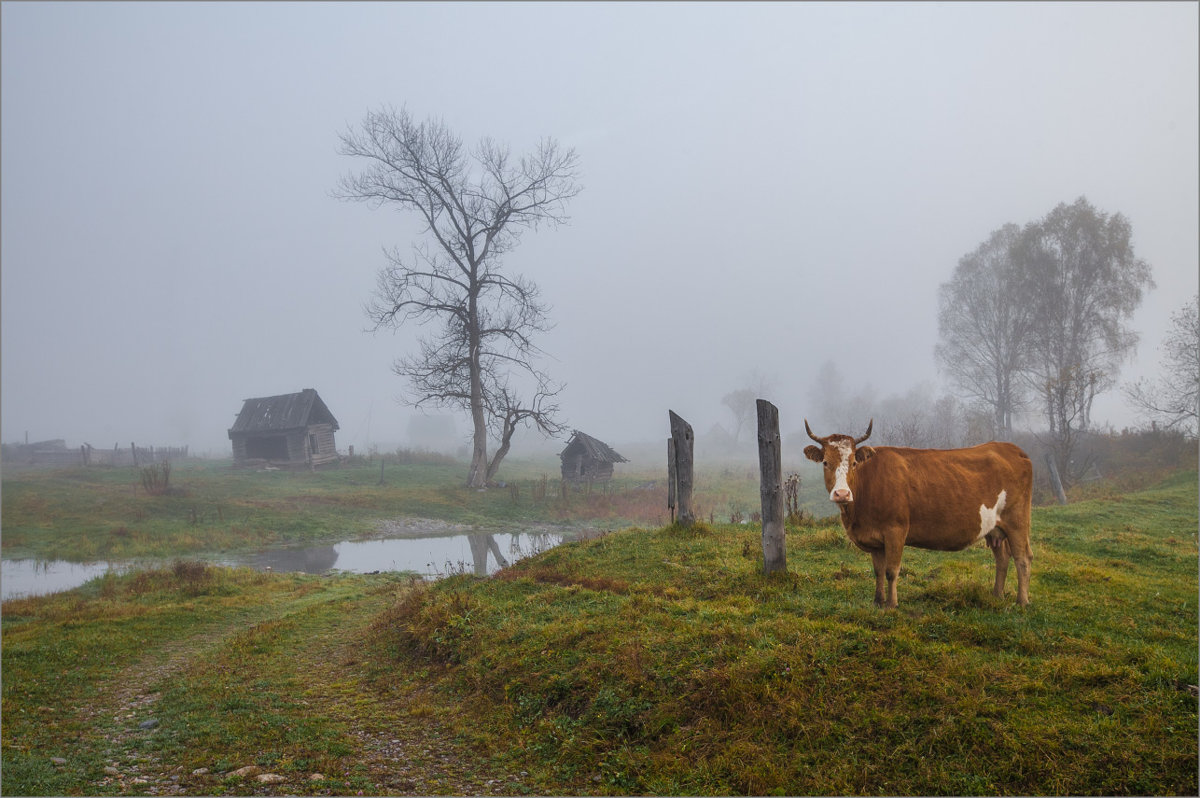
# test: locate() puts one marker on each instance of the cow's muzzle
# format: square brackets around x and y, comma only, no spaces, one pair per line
[841,496]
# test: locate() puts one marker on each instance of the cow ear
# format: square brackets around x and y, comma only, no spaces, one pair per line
[863,453]
[814,453]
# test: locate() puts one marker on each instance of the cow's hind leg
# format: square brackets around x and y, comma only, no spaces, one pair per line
[1024,557]
[1000,550]
[1017,538]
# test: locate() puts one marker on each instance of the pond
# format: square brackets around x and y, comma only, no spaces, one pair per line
[434,556]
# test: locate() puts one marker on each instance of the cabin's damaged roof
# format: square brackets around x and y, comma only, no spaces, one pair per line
[595,449]
[284,412]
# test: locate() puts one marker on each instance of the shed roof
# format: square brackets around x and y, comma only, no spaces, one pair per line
[595,449]
[284,412]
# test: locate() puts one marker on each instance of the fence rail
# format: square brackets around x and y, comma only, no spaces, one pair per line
[57,454]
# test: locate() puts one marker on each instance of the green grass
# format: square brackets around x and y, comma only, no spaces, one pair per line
[663,661]
[103,513]
[652,660]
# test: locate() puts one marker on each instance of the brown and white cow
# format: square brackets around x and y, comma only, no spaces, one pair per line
[944,499]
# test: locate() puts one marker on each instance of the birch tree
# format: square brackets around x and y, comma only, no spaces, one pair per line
[1083,282]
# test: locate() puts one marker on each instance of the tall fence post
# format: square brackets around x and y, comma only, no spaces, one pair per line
[770,467]
[681,433]
[671,477]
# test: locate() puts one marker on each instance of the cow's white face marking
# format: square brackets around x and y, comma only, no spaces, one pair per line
[840,482]
[988,516]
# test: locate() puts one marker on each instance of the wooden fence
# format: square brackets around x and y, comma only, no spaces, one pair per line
[680,452]
[57,455]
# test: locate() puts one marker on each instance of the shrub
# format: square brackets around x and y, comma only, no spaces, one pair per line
[157,481]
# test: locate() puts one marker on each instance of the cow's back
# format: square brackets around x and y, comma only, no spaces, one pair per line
[937,494]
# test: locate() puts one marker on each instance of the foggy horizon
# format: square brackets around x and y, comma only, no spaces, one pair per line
[767,188]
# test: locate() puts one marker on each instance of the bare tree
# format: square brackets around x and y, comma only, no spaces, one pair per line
[742,402]
[834,405]
[474,205]
[1173,398]
[1083,282]
[985,328]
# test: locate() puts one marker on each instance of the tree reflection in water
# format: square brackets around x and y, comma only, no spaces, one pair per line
[313,560]
[434,556]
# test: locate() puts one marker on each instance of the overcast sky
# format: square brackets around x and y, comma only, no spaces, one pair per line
[767,187]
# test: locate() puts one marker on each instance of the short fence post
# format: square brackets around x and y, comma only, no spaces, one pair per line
[771,488]
[671,477]
[681,432]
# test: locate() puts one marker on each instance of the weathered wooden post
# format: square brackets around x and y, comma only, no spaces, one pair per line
[671,477]
[1055,481]
[681,433]
[770,467]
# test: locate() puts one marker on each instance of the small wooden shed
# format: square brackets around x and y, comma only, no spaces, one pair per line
[587,459]
[293,429]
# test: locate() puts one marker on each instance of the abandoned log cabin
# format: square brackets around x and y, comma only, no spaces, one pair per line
[294,429]
[587,459]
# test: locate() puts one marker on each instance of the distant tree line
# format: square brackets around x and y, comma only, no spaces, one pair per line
[1173,400]
[918,417]
[1037,318]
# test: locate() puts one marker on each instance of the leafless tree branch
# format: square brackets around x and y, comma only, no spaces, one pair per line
[474,206]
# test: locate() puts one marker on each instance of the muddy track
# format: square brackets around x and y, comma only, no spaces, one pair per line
[407,743]
[119,712]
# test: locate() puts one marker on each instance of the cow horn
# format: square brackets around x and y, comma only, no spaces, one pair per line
[870,424]
[810,433]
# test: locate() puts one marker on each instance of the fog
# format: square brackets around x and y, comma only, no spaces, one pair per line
[767,188]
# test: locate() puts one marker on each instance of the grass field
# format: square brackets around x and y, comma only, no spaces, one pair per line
[100,513]
[651,660]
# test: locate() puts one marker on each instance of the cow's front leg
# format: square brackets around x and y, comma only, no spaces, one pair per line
[893,550]
[879,563]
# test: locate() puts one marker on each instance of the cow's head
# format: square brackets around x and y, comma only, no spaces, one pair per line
[840,454]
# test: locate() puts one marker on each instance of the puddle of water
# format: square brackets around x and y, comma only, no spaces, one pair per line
[39,577]
[431,557]
[480,554]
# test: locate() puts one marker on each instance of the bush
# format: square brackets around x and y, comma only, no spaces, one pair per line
[157,481]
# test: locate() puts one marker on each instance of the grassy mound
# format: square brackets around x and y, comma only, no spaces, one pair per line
[662,661]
